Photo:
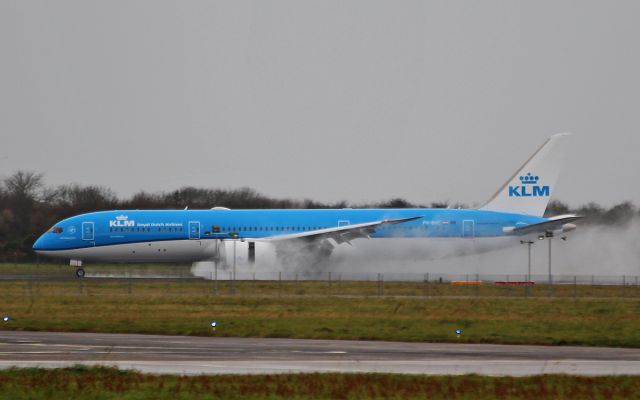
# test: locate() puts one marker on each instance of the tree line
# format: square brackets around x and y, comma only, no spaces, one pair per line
[28,207]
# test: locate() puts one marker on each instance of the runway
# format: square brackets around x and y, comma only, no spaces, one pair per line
[216,355]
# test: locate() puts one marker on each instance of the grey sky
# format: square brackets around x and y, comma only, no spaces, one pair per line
[331,100]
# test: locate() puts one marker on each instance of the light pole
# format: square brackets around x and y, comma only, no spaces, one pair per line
[548,235]
[550,276]
[528,282]
[528,243]
[234,235]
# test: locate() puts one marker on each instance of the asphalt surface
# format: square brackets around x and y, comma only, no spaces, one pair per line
[217,355]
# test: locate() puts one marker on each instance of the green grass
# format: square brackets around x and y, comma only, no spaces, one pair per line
[291,286]
[107,383]
[590,315]
[185,307]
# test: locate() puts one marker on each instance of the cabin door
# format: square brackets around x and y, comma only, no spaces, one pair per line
[87,231]
[468,228]
[194,230]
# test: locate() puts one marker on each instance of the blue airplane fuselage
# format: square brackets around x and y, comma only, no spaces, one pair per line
[516,209]
[127,227]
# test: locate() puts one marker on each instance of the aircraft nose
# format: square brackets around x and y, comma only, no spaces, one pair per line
[39,244]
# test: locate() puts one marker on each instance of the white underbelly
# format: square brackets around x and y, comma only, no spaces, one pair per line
[164,251]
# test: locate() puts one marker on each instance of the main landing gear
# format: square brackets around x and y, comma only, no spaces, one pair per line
[80,273]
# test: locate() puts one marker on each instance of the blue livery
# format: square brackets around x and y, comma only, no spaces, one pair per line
[515,210]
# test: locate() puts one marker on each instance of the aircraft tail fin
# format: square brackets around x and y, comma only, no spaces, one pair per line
[529,189]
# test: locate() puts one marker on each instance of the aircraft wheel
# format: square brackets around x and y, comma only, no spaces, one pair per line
[80,273]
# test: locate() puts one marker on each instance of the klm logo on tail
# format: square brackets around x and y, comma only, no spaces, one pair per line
[529,188]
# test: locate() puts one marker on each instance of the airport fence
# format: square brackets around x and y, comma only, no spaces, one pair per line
[180,282]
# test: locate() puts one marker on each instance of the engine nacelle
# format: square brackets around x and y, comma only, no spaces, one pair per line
[215,251]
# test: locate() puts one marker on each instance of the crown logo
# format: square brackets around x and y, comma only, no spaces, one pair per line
[529,179]
[122,218]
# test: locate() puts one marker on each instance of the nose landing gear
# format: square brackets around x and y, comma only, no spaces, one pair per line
[78,265]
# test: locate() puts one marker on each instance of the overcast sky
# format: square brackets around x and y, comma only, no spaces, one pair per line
[329,100]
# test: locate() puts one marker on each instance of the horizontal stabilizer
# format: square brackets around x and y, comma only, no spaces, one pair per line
[552,224]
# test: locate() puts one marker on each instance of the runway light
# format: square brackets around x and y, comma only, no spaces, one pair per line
[5,318]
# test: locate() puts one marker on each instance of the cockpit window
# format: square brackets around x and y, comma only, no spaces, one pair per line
[56,229]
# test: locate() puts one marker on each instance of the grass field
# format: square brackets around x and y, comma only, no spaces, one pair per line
[288,285]
[106,383]
[267,309]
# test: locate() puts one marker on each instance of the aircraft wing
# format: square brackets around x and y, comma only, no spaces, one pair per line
[554,223]
[340,234]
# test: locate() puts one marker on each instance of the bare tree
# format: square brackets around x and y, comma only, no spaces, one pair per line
[85,198]
[23,185]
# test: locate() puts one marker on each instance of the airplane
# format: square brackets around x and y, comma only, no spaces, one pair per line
[516,210]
